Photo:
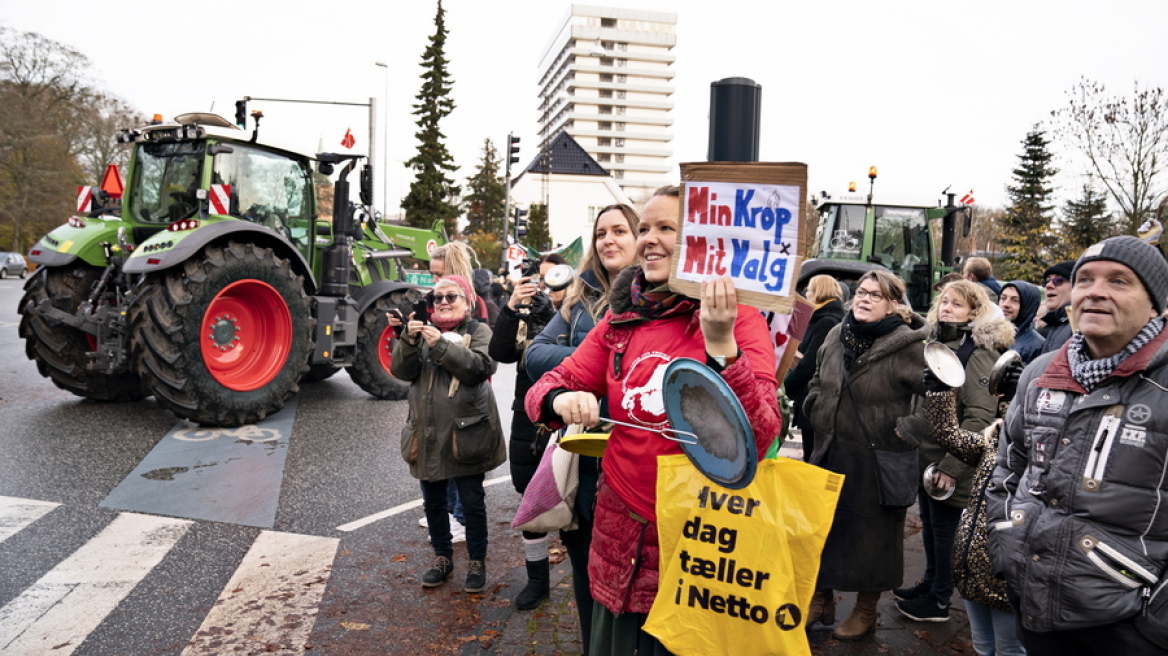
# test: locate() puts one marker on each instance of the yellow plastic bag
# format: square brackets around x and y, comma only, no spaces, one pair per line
[738,567]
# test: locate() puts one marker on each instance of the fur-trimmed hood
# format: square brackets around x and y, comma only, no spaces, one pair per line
[992,332]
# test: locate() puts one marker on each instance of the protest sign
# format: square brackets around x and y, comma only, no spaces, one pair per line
[742,219]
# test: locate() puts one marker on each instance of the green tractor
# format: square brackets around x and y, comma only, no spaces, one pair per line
[856,234]
[213,285]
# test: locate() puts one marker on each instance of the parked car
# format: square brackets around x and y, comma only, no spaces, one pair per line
[12,264]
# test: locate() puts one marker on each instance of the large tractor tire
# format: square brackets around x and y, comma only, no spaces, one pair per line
[58,349]
[374,352]
[224,339]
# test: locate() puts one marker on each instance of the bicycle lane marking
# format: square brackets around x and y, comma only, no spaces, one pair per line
[230,475]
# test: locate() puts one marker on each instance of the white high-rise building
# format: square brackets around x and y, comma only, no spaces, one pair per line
[605,79]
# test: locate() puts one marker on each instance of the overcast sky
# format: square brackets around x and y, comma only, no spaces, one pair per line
[934,93]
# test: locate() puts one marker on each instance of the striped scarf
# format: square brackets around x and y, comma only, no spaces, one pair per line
[1090,373]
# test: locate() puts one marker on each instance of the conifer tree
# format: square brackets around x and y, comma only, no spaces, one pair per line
[488,194]
[1085,221]
[1026,235]
[538,234]
[432,192]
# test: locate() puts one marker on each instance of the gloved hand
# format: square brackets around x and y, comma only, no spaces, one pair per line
[1008,384]
[932,383]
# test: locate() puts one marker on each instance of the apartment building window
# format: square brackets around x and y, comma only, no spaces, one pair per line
[606,61]
[623,47]
[606,125]
[608,22]
[606,93]
[621,78]
[620,111]
[620,143]
[607,45]
[604,141]
[621,63]
[604,157]
[622,94]
[619,175]
[620,158]
[620,127]
[606,109]
[606,77]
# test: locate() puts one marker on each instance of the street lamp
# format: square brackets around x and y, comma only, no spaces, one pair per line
[385,145]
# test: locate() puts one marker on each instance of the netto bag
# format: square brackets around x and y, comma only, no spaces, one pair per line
[549,502]
[896,472]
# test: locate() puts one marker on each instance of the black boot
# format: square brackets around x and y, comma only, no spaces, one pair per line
[537,585]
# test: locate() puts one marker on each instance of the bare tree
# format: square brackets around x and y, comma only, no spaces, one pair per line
[1125,142]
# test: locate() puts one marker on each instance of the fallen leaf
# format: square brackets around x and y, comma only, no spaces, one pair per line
[400,558]
[355,626]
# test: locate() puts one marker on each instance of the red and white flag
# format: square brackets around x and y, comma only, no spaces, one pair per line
[349,141]
[220,198]
[967,199]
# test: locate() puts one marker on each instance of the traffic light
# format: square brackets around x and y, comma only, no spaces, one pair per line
[512,150]
[241,114]
[520,223]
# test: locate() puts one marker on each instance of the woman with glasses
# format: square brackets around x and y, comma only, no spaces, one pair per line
[623,360]
[453,430]
[614,247]
[868,372]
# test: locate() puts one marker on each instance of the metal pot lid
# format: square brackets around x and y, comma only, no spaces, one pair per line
[1004,361]
[698,401]
[944,364]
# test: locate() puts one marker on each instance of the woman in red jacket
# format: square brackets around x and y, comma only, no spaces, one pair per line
[624,358]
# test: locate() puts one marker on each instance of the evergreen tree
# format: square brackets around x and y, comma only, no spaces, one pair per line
[538,233]
[1026,237]
[1085,221]
[486,201]
[432,191]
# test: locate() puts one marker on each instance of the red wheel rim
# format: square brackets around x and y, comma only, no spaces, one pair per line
[246,335]
[385,347]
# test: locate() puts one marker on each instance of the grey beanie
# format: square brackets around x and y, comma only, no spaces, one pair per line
[1142,258]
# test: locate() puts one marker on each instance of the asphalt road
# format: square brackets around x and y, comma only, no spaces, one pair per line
[126,531]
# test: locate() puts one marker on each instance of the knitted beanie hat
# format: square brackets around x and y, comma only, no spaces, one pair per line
[1142,258]
[464,285]
[1063,269]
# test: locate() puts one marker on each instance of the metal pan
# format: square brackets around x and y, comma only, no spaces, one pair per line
[699,403]
[944,364]
[1000,367]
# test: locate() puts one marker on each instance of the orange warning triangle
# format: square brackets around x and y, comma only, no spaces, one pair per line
[111,182]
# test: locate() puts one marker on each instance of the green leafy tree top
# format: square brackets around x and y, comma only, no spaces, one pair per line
[433,191]
[538,234]
[1026,237]
[488,195]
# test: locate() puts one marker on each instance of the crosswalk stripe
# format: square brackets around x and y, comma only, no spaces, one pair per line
[55,614]
[15,514]
[282,576]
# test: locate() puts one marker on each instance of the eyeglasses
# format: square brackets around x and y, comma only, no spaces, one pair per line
[1055,280]
[875,296]
[446,298]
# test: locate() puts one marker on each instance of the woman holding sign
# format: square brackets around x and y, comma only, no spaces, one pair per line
[623,360]
[868,372]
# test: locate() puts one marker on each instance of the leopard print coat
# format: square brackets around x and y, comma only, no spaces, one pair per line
[972,573]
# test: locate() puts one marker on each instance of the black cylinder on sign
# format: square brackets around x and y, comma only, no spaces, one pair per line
[735,110]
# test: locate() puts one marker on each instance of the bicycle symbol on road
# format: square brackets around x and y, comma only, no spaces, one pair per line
[247,433]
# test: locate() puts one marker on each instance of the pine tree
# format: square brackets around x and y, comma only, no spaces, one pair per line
[486,201]
[538,234]
[432,190]
[1026,237]
[1085,221]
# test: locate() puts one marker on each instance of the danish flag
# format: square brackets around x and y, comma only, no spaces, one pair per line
[220,198]
[967,199]
[349,141]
